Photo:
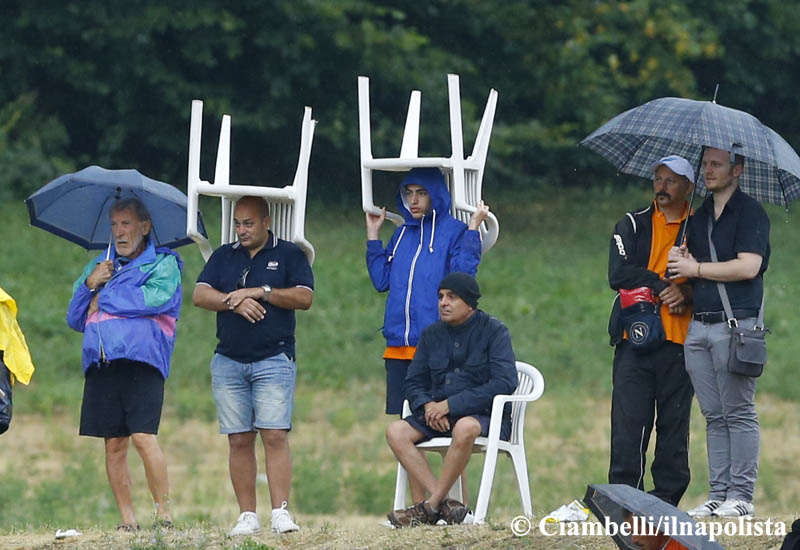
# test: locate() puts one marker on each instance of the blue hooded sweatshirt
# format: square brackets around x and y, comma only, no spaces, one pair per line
[416,259]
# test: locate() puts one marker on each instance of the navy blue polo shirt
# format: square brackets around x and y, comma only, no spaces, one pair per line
[742,227]
[280,264]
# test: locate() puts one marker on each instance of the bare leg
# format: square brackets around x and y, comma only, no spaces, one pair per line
[402,439]
[464,433]
[417,489]
[242,464]
[155,469]
[279,465]
[119,476]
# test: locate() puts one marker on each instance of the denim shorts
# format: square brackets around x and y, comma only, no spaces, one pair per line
[251,396]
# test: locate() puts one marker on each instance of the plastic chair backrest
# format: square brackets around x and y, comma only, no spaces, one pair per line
[527,385]
[287,204]
[464,176]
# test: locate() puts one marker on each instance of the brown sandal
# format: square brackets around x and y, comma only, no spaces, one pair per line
[127,528]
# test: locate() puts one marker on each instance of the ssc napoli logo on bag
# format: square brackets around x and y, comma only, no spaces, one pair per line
[641,320]
[638,333]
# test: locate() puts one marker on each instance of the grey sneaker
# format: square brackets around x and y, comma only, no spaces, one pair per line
[247,524]
[282,521]
[452,511]
[733,508]
[704,510]
[420,513]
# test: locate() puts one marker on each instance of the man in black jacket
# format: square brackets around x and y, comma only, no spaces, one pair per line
[462,362]
[652,386]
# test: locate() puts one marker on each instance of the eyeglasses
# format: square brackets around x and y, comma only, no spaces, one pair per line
[242,279]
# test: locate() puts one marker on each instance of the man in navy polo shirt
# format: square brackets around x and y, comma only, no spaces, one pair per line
[255,285]
[741,238]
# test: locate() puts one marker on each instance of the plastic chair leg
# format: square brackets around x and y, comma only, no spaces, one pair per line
[521,471]
[487,479]
[400,488]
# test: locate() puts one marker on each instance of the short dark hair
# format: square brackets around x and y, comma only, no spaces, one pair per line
[260,202]
[738,160]
[133,204]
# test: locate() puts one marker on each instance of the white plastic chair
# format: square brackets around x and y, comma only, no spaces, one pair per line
[530,388]
[287,204]
[464,176]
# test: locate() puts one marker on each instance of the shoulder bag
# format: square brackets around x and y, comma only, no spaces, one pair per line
[748,347]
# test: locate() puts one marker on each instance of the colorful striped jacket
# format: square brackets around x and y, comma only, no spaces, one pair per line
[138,310]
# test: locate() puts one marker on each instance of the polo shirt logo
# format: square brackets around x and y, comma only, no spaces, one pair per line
[272,265]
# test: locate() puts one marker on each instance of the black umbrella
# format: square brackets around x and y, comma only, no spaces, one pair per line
[613,500]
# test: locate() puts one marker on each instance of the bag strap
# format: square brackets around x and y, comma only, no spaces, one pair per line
[723,292]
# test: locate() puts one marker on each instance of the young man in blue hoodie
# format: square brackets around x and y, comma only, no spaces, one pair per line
[427,247]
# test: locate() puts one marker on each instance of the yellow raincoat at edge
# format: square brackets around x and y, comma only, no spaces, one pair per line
[12,342]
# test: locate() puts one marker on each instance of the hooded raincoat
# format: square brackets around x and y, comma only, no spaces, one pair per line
[417,257]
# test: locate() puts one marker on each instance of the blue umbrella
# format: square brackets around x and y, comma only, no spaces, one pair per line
[613,500]
[634,140]
[75,206]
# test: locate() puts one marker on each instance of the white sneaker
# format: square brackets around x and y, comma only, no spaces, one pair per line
[704,510]
[247,524]
[282,520]
[733,508]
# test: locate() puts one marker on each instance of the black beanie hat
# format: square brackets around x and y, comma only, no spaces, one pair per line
[463,286]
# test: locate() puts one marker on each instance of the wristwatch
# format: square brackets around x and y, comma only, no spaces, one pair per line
[267,291]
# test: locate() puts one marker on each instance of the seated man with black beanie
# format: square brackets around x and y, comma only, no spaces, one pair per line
[462,362]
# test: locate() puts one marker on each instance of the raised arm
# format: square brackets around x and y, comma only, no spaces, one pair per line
[95,274]
[379,265]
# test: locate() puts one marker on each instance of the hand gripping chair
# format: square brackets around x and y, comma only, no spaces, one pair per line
[287,204]
[530,388]
[463,176]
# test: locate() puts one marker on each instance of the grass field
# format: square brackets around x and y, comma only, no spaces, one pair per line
[546,278]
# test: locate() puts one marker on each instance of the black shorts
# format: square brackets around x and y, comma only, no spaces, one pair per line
[121,398]
[396,370]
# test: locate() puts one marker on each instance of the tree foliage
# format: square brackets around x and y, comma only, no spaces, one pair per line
[111,82]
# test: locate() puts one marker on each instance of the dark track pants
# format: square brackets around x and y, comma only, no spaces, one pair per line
[651,387]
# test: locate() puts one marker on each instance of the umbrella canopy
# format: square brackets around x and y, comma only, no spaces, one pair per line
[635,139]
[75,206]
[611,501]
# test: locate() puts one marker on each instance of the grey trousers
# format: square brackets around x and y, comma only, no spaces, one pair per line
[728,404]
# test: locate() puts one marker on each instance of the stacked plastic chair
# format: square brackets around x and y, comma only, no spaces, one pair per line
[287,204]
[464,176]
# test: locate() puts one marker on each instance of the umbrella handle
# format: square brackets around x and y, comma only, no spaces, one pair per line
[682,238]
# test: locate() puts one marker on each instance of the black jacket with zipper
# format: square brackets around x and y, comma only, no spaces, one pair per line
[628,256]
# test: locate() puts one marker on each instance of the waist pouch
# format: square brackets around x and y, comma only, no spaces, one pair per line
[747,351]
[641,319]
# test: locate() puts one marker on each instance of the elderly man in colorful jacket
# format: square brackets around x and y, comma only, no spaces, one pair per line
[126,303]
